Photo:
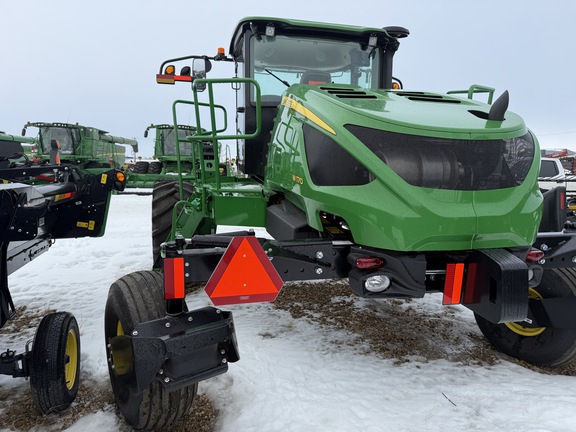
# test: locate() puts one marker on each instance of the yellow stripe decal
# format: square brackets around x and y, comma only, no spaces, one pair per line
[299,108]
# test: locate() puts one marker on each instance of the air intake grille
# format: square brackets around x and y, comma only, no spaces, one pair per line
[347,93]
[427,97]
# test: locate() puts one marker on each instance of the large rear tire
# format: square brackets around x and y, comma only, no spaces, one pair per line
[155,167]
[141,167]
[164,196]
[55,366]
[541,346]
[132,299]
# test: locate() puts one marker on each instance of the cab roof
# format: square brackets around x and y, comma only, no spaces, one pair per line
[310,28]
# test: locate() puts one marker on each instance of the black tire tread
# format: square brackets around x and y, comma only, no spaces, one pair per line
[552,348]
[135,298]
[141,167]
[47,371]
[155,167]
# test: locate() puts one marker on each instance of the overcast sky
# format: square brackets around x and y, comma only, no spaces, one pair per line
[95,62]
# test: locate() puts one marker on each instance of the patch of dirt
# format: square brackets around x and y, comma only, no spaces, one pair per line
[21,415]
[24,321]
[392,329]
[202,417]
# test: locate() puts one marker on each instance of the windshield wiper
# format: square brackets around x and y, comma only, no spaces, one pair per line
[286,83]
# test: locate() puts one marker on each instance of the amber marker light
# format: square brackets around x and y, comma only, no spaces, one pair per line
[221,54]
[120,176]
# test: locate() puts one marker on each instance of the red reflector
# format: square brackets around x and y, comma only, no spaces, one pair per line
[173,278]
[186,78]
[369,262]
[535,255]
[170,79]
[46,178]
[453,283]
[472,293]
[243,275]
[164,79]
[562,200]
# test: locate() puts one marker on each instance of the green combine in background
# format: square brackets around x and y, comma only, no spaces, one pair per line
[82,146]
[168,160]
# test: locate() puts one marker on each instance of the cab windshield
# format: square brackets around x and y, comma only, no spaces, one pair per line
[66,136]
[169,143]
[311,61]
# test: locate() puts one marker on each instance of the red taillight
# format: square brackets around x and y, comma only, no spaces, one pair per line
[369,262]
[453,284]
[535,255]
[174,278]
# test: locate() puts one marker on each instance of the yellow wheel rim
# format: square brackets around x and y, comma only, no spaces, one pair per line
[527,331]
[119,329]
[122,360]
[71,367]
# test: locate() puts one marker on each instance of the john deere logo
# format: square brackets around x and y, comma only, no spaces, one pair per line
[297,179]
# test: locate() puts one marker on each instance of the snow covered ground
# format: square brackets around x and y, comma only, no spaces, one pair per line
[293,374]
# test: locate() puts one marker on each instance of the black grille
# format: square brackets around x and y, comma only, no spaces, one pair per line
[453,164]
[329,164]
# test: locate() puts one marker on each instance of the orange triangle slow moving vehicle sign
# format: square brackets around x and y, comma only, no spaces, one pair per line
[244,275]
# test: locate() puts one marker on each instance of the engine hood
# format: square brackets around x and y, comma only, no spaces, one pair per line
[393,164]
[411,112]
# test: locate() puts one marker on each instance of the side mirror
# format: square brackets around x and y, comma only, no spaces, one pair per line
[146,133]
[200,67]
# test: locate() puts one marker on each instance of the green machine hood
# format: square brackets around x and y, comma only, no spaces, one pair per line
[407,171]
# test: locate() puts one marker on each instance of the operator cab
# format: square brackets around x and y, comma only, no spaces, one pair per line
[67,137]
[166,139]
[278,53]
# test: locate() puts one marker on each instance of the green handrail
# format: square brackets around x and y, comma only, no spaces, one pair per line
[476,88]
[214,134]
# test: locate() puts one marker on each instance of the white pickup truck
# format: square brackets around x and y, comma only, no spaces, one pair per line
[553,174]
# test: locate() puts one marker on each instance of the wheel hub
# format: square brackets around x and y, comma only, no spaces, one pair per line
[71,366]
[520,328]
